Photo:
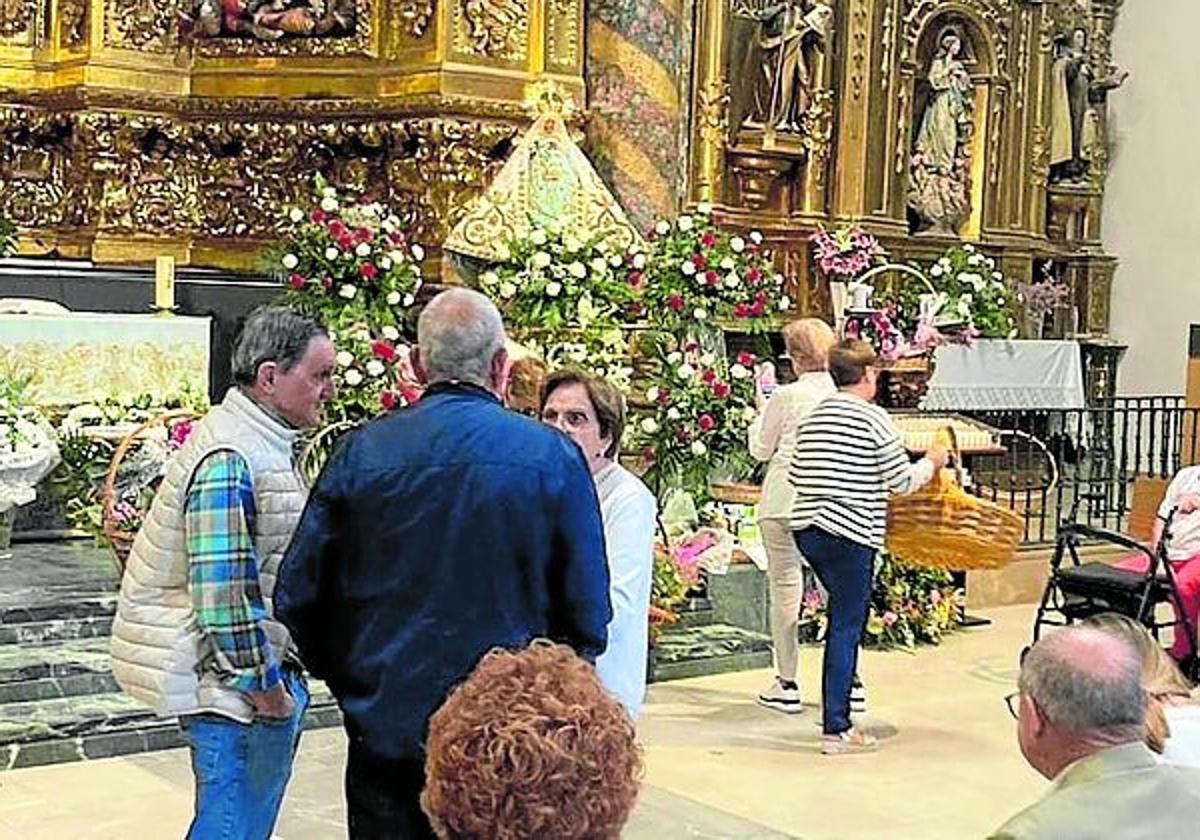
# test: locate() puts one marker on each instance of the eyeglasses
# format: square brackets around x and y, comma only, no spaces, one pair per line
[1013,701]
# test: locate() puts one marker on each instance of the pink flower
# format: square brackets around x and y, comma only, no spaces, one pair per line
[709,376]
[648,455]
[675,301]
[711,277]
[384,350]
[699,261]
[720,389]
[890,618]
[368,270]
[179,433]
[935,596]
[318,216]
[705,422]
[745,358]
[753,275]
[387,400]
[708,239]
[635,279]
[297,281]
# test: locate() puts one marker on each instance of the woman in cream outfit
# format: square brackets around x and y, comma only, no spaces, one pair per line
[772,439]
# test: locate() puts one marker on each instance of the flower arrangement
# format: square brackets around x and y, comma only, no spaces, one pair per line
[603,352]
[28,451]
[667,587]
[971,290]
[844,254]
[699,409]
[1040,299]
[699,272]
[553,281]
[351,266]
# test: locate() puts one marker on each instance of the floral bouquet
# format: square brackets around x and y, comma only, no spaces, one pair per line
[28,451]
[351,266]
[603,352]
[910,605]
[844,254]
[554,281]
[700,409]
[700,272]
[1039,300]
[970,290]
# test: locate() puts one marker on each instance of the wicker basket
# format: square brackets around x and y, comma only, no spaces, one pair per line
[120,540]
[319,447]
[941,526]
[734,493]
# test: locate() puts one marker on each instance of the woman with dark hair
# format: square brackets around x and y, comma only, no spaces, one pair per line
[530,746]
[592,413]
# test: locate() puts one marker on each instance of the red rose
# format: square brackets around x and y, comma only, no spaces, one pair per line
[635,279]
[384,350]
[760,296]
[648,455]
[675,301]
[327,282]
[709,376]
[740,310]
[691,346]
[699,261]
[318,216]
[362,234]
[396,237]
[336,228]
[387,399]
[368,270]
[720,389]
[664,395]
[705,422]
[711,277]
[346,242]
[410,392]
[636,309]
[708,240]
[682,434]
[745,358]
[753,275]
[297,281]
[757,309]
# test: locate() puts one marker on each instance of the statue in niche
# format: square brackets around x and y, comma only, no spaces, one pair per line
[268,20]
[775,58]
[1077,98]
[939,191]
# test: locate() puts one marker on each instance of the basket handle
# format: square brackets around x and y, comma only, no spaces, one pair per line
[951,438]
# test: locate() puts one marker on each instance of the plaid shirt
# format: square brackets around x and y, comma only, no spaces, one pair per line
[223,574]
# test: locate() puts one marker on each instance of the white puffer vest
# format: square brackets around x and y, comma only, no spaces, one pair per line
[156,643]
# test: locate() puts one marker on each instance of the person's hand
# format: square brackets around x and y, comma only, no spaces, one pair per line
[1189,503]
[938,454]
[275,703]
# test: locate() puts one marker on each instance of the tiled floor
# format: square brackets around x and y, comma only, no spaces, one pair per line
[718,766]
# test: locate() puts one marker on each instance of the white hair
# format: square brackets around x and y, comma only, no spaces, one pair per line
[459,333]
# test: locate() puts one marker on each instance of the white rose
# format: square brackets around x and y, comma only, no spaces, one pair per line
[936,271]
[615,261]
[969,248]
[329,204]
[732,281]
[538,237]
[685,223]
[649,426]
[737,244]
[674,358]
[375,367]
[332,253]
[571,244]
[685,371]
[391,333]
[652,393]
[345,358]
[393,299]
[503,254]
[785,303]
[599,265]
[363,335]
[507,290]
[363,249]
[541,260]
[739,372]
[708,359]
[577,270]
[698,448]
[353,377]
[348,291]
[662,228]
[779,279]
[704,208]
[329,192]
[385,263]
[553,288]
[748,414]
[408,300]
[700,314]
[673,413]
[974,259]
[489,278]
[728,264]
[396,256]
[296,215]
[756,237]
[290,261]
[639,261]
[418,252]
[688,268]
[996,275]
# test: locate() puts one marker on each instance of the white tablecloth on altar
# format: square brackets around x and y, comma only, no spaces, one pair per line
[1001,375]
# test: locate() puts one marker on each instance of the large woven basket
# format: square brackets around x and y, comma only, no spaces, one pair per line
[120,540]
[941,526]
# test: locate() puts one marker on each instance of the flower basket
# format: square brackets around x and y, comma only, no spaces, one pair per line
[903,382]
[735,493]
[115,529]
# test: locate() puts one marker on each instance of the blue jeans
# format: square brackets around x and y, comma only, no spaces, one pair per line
[242,769]
[844,568]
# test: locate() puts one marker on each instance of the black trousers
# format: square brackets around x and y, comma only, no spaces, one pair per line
[383,796]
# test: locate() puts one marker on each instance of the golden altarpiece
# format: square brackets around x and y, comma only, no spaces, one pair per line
[188,127]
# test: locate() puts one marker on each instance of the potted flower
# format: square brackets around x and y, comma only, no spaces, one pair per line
[1038,301]
[700,273]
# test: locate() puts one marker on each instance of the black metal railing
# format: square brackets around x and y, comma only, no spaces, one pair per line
[1098,452]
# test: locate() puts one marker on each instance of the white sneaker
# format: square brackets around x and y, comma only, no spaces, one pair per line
[858,697]
[781,698]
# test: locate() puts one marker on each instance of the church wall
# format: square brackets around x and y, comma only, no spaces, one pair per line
[1150,215]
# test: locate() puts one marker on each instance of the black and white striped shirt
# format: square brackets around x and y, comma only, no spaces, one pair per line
[848,458]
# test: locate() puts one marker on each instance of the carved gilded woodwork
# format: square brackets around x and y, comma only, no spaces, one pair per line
[18,21]
[414,16]
[492,28]
[72,23]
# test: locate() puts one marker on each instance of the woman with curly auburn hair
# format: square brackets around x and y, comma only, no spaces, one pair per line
[531,746]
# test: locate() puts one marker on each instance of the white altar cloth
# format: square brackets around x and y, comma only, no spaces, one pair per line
[1002,375]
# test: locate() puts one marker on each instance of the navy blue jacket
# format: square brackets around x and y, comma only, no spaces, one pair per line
[431,536]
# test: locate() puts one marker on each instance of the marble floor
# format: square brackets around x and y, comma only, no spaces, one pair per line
[717,765]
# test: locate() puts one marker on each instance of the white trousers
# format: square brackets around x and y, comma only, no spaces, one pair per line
[785,577]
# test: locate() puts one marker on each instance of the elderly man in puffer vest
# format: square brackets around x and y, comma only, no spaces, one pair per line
[195,633]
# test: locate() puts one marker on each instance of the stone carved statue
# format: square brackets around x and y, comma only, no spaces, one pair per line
[1077,98]
[269,20]
[939,191]
[775,62]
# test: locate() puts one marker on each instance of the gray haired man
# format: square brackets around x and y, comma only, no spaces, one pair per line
[195,635]
[1081,715]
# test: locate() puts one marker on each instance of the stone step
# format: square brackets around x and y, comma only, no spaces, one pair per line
[104,725]
[66,668]
[80,606]
[55,630]
[680,652]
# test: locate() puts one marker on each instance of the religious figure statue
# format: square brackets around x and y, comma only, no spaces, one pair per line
[939,177]
[268,20]
[776,57]
[1077,99]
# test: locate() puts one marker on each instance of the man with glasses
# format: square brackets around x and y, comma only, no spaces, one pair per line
[1080,716]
